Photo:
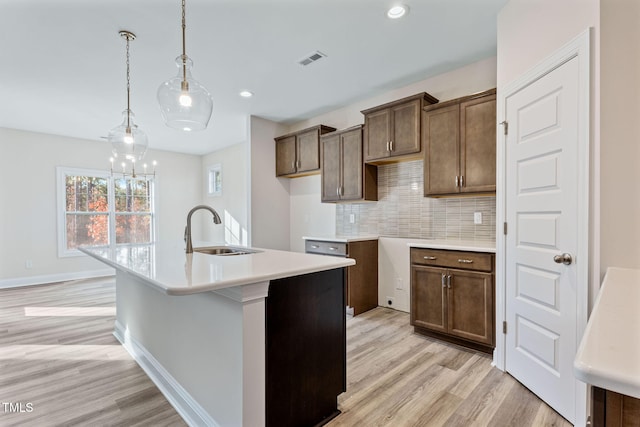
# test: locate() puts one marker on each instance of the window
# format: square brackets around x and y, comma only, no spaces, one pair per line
[214,184]
[98,209]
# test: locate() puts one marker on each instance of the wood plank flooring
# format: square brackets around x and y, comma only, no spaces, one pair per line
[398,378]
[58,354]
[65,363]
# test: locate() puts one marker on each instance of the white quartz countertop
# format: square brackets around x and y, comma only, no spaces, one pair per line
[168,268]
[609,354]
[455,245]
[341,239]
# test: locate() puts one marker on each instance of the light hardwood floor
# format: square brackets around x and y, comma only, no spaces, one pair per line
[58,354]
[398,378]
[65,362]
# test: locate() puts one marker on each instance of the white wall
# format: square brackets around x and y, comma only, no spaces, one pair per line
[28,217]
[531,30]
[620,134]
[309,217]
[231,205]
[269,196]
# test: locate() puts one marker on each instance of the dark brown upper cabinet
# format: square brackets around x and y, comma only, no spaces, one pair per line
[459,138]
[392,130]
[298,153]
[345,177]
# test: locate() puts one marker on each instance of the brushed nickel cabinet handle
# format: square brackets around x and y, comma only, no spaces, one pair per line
[461,181]
[449,281]
[430,258]
[444,285]
[465,261]
[314,246]
[333,248]
[391,145]
[293,165]
[457,181]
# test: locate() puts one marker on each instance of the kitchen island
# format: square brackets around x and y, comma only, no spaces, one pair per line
[241,340]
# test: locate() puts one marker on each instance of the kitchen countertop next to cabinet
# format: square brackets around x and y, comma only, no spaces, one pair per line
[341,239]
[609,353]
[455,245]
[166,266]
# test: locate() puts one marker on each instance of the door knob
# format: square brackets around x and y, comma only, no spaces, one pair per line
[565,259]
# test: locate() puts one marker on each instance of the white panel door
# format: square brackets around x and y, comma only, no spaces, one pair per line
[541,212]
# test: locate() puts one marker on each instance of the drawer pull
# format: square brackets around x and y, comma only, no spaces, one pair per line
[465,261]
[314,246]
[430,258]
[333,248]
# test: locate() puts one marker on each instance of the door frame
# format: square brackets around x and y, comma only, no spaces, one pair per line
[588,238]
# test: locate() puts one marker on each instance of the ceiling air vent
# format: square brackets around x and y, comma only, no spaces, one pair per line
[311,58]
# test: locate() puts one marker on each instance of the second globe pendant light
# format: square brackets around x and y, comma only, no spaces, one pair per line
[185,104]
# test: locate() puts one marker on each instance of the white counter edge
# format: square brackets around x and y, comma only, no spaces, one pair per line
[589,365]
[341,239]
[329,263]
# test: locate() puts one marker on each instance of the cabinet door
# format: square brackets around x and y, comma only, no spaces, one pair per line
[377,130]
[308,151]
[286,155]
[428,298]
[405,121]
[330,147]
[470,314]
[352,165]
[441,136]
[478,144]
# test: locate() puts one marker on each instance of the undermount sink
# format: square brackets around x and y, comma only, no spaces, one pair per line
[225,250]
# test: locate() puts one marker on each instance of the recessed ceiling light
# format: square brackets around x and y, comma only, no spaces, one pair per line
[246,94]
[397,11]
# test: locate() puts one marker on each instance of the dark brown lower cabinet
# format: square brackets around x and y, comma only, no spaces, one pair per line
[613,409]
[361,287]
[452,296]
[306,365]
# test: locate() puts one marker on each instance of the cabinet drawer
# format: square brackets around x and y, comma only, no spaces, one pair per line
[452,259]
[325,248]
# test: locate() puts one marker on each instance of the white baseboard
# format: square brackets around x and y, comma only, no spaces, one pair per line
[53,278]
[190,410]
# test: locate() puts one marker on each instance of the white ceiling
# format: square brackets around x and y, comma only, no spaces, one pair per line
[63,63]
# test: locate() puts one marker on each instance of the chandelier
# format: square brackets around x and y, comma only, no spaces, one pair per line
[129,143]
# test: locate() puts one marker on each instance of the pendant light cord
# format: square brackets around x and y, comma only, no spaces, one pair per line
[128,88]
[184,43]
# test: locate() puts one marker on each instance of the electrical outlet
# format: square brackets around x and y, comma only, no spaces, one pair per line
[389,301]
[352,218]
[477,217]
[28,264]
[399,285]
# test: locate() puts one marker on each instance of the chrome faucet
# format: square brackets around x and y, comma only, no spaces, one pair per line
[187,229]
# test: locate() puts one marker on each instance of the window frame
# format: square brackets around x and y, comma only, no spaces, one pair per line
[214,171]
[62,172]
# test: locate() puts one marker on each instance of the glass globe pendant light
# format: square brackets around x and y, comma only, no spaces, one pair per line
[129,143]
[185,104]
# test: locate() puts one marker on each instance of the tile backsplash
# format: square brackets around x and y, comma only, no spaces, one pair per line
[403,211]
